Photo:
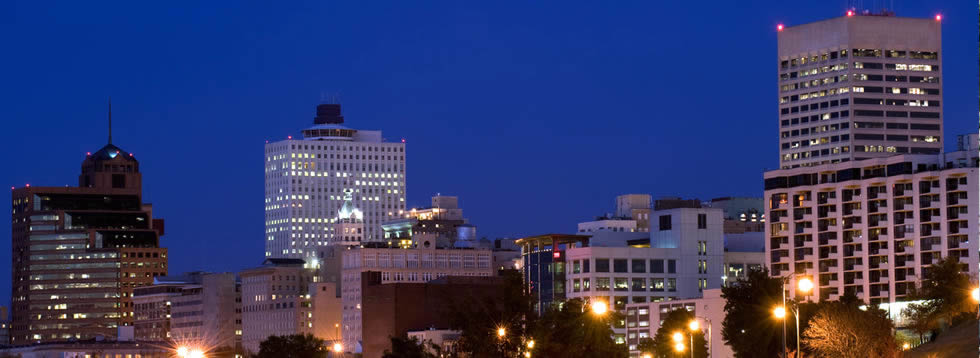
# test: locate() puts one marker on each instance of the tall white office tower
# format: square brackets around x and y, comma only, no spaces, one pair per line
[306,181]
[864,85]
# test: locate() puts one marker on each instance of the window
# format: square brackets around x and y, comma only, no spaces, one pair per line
[639,266]
[576,285]
[657,284]
[585,284]
[577,266]
[702,221]
[671,266]
[602,265]
[619,265]
[672,284]
[586,265]
[656,266]
[621,284]
[664,222]
[639,284]
[602,284]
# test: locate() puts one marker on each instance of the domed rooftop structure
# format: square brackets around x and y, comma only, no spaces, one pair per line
[110,167]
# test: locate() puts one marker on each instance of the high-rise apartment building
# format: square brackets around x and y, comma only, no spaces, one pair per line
[859,86]
[307,180]
[871,227]
[78,252]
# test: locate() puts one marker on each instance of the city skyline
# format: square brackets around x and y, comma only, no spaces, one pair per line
[441,161]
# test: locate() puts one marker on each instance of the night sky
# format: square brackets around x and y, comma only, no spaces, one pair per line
[535,114]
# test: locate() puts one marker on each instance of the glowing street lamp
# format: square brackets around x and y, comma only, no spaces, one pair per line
[976,294]
[599,308]
[338,348]
[677,337]
[195,353]
[805,285]
[679,347]
[501,332]
[779,312]
[530,344]
[905,346]
[647,355]
[182,351]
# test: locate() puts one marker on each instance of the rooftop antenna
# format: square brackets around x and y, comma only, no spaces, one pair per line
[110,119]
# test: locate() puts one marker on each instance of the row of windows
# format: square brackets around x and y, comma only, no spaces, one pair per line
[624,266]
[638,284]
[858,52]
[815,153]
[813,71]
[897,102]
[816,141]
[353,148]
[814,130]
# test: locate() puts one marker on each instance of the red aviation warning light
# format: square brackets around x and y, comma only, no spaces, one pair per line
[850,13]
[939,17]
[779,27]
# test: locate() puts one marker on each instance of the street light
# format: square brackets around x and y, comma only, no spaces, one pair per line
[805,285]
[677,337]
[501,332]
[530,344]
[182,351]
[976,294]
[338,348]
[599,307]
[779,312]
[195,353]
[679,347]
[647,355]
[694,326]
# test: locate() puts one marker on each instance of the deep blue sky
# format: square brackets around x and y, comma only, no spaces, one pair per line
[535,114]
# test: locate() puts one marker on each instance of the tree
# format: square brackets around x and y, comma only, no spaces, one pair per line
[645,346]
[405,347]
[946,285]
[677,321]
[572,330]
[294,346]
[479,319]
[748,326]
[922,318]
[841,330]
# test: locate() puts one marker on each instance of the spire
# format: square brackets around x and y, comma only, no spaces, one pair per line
[110,119]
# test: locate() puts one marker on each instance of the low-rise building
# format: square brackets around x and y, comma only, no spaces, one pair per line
[275,301]
[644,319]
[397,265]
[195,309]
[394,309]
[91,349]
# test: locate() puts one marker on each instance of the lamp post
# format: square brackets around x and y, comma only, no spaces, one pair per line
[678,338]
[975,293]
[804,285]
[694,327]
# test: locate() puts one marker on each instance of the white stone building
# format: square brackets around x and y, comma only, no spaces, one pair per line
[306,180]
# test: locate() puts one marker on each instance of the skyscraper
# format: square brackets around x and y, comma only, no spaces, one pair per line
[859,86]
[308,179]
[78,252]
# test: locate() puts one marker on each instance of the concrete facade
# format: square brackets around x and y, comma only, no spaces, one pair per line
[857,87]
[871,227]
[306,181]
